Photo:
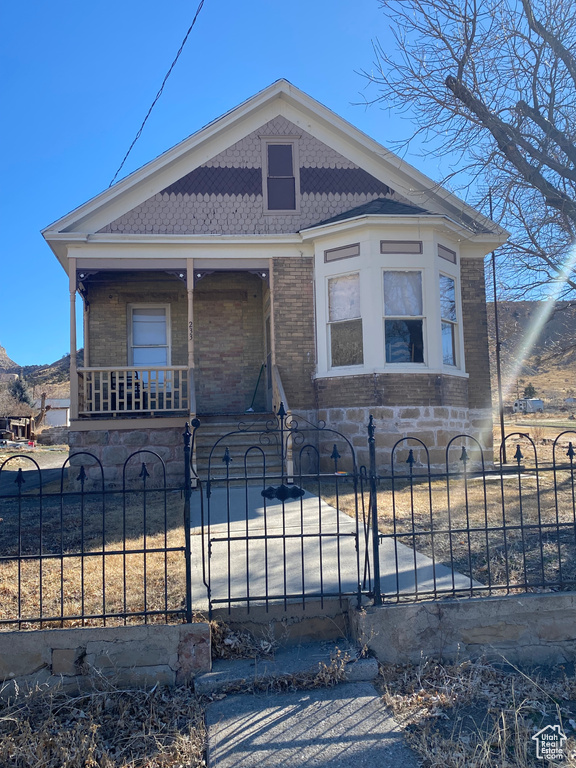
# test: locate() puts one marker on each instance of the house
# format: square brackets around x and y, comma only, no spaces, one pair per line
[280,235]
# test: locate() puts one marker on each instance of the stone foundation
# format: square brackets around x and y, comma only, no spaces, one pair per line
[112,447]
[435,426]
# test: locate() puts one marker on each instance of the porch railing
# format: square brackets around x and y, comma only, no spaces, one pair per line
[132,390]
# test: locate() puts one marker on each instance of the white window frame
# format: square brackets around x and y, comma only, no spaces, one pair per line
[422,317]
[330,323]
[455,324]
[168,345]
[285,140]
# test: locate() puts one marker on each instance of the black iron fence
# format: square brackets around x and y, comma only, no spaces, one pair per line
[73,552]
[283,513]
[469,529]
[267,534]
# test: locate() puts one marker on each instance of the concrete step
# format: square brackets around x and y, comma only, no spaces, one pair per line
[331,660]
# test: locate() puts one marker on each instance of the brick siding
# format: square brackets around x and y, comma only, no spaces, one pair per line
[109,295]
[392,389]
[475,324]
[228,342]
[294,328]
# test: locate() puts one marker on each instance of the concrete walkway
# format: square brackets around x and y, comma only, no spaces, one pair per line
[277,549]
[343,727]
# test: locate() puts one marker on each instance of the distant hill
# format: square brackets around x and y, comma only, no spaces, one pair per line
[549,363]
[54,378]
[6,364]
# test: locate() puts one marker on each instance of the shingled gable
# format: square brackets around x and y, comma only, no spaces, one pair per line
[212,165]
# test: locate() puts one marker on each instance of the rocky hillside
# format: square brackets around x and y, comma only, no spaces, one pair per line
[6,364]
[52,378]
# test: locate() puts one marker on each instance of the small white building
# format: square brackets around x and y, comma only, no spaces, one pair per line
[57,411]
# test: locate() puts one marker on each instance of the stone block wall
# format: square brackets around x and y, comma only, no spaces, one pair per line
[434,425]
[524,629]
[113,446]
[133,656]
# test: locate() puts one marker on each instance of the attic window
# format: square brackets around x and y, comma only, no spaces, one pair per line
[280,164]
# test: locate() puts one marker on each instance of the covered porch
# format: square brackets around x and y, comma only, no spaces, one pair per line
[166,340]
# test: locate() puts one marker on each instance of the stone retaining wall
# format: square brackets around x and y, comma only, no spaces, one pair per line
[528,629]
[138,656]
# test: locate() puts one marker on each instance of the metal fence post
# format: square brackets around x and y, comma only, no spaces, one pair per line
[187,435]
[374,513]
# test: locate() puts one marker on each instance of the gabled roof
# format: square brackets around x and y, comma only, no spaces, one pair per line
[279,98]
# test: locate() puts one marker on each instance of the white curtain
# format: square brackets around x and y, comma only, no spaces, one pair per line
[403,294]
[344,297]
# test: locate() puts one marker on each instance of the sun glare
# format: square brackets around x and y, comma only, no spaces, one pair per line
[545,309]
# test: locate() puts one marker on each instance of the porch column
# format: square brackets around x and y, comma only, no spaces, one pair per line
[73,342]
[190,292]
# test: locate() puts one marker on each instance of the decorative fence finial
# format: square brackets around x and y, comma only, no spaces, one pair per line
[371,428]
[82,476]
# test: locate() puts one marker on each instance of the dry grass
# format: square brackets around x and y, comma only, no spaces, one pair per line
[107,728]
[478,715]
[64,584]
[489,530]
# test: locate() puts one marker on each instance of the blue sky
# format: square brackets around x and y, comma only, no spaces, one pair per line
[79,79]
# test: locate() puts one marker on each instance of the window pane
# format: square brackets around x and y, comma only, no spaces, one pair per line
[448,355]
[446,253]
[400,246]
[150,356]
[402,293]
[345,252]
[404,341]
[447,298]
[148,326]
[344,297]
[280,160]
[281,194]
[346,343]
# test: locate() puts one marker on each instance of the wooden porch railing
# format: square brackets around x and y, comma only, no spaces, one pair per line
[132,390]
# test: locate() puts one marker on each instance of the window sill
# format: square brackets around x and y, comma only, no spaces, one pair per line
[288,212]
[390,368]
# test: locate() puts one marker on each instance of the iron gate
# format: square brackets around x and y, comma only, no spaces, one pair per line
[267,512]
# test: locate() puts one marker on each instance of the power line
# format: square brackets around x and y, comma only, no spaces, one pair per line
[201,3]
